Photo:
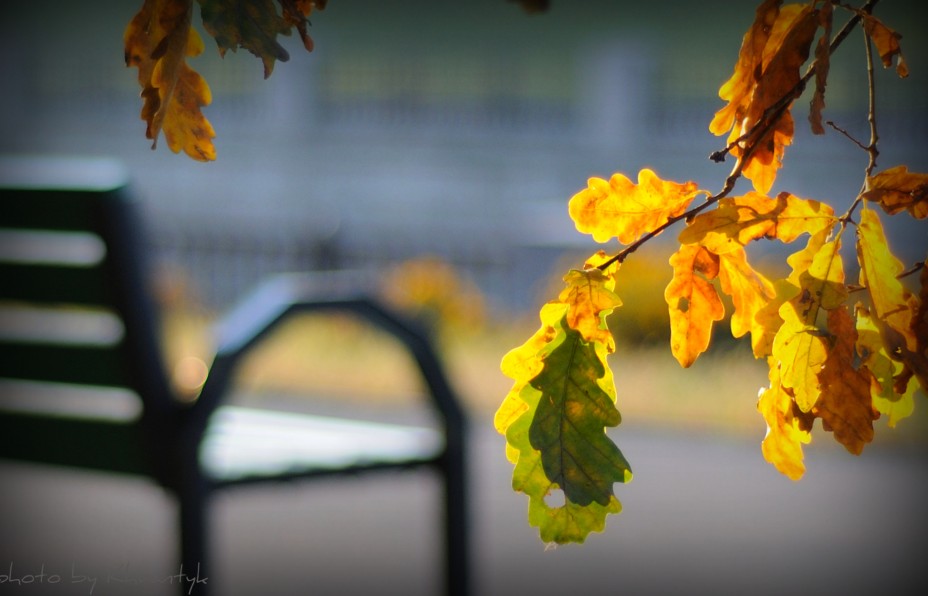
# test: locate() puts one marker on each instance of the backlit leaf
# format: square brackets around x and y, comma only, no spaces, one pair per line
[736,221]
[887,44]
[562,399]
[157,41]
[786,41]
[897,189]
[739,88]
[589,299]
[786,432]
[800,352]
[845,405]
[619,208]
[768,319]
[886,400]
[568,427]
[693,303]
[799,347]
[879,268]
[750,291]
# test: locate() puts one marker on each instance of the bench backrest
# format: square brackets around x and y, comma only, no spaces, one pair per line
[80,362]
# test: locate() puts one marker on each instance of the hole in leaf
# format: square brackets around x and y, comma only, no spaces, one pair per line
[555,498]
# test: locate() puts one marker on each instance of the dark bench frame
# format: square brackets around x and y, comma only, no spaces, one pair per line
[164,442]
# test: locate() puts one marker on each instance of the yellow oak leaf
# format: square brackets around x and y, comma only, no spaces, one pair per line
[786,432]
[887,44]
[897,189]
[800,352]
[589,298]
[799,346]
[768,320]
[845,404]
[736,221]
[750,291]
[157,41]
[873,355]
[622,209]
[892,303]
[693,304]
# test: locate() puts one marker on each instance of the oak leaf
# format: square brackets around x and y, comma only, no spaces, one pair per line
[522,364]
[845,404]
[786,429]
[892,303]
[750,291]
[751,95]
[250,24]
[562,399]
[693,302]
[158,40]
[295,13]
[887,44]
[822,66]
[897,405]
[589,297]
[799,347]
[568,427]
[897,189]
[737,221]
[619,208]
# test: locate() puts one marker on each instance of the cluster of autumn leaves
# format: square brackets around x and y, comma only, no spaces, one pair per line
[838,351]
[160,38]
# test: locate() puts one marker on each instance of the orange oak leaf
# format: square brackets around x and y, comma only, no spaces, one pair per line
[736,221]
[845,405]
[693,302]
[897,189]
[750,291]
[822,65]
[738,89]
[295,13]
[157,41]
[619,208]
[887,44]
[752,95]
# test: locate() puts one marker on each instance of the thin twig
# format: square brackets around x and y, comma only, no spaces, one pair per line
[870,148]
[846,134]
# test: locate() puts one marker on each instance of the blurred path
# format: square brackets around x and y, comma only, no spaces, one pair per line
[703,515]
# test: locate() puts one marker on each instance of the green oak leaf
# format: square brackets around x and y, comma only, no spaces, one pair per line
[562,441]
